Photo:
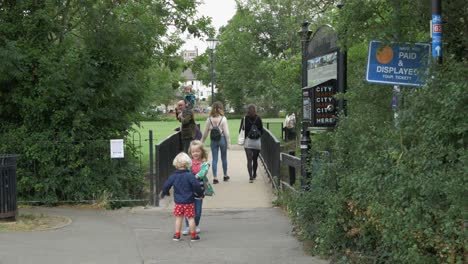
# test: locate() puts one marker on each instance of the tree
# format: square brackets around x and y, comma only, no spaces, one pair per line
[79,70]
[259,49]
[165,81]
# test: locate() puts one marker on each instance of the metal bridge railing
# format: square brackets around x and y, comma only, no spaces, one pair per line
[270,156]
[166,150]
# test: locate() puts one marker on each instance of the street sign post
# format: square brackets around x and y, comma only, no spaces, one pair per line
[436,30]
[398,63]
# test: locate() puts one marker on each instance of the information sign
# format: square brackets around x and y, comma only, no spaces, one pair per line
[322,68]
[320,104]
[117,148]
[397,63]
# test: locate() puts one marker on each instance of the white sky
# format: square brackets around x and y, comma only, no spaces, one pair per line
[220,11]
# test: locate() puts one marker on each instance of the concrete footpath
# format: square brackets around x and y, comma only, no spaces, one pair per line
[239,225]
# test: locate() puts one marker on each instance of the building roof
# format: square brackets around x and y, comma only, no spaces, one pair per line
[189,75]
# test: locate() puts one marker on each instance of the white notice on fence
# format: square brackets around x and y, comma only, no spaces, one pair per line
[117,148]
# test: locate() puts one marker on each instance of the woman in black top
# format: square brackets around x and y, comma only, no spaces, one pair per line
[252,145]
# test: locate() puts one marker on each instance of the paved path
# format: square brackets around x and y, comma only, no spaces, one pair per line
[239,225]
[237,192]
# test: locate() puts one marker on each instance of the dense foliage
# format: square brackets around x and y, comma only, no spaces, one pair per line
[393,190]
[74,71]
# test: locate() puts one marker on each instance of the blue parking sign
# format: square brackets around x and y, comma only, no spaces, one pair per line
[436,36]
[398,63]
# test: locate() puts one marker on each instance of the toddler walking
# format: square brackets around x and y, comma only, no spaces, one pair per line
[199,168]
[185,185]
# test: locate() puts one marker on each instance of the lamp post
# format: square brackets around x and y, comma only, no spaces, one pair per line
[305,34]
[342,70]
[212,42]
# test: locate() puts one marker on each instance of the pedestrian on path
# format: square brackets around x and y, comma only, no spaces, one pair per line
[199,168]
[188,127]
[253,128]
[289,127]
[217,127]
[185,185]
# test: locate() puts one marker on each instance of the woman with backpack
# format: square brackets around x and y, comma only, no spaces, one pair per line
[217,128]
[253,128]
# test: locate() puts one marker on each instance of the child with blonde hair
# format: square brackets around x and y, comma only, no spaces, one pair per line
[199,168]
[189,97]
[185,185]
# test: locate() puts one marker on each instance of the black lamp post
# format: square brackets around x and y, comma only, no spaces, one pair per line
[212,42]
[342,70]
[305,135]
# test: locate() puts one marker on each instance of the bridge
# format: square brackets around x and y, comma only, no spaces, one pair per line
[237,193]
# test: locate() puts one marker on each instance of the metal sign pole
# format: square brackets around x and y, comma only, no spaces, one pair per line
[305,138]
[436,30]
[152,202]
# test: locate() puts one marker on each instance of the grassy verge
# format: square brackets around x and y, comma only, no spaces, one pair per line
[34,222]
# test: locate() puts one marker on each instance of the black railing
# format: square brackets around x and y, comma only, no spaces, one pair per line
[270,156]
[294,165]
[276,128]
[8,201]
[166,150]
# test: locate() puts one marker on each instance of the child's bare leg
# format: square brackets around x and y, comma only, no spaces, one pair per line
[192,225]
[178,223]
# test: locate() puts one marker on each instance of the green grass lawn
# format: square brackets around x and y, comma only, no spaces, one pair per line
[163,129]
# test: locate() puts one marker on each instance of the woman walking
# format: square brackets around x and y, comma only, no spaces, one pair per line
[253,128]
[217,127]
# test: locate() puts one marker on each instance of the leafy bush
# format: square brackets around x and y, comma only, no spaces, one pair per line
[62,169]
[395,189]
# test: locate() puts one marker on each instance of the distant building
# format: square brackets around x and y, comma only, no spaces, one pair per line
[189,55]
[201,91]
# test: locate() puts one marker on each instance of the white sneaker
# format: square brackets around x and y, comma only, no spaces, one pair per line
[186,231]
[197,230]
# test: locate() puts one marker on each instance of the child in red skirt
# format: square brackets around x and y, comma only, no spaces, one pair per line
[185,185]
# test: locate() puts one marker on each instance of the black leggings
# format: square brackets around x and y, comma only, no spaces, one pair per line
[252,161]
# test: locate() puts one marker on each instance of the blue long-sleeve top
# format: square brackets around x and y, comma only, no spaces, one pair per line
[185,185]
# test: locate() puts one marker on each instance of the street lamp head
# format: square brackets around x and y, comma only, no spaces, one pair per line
[212,42]
[305,32]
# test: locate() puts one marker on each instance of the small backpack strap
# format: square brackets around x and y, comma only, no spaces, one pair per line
[255,120]
[222,132]
[219,124]
[220,121]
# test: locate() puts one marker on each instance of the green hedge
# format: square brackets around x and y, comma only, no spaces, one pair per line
[55,169]
[395,190]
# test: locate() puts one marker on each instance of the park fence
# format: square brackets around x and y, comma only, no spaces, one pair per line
[166,150]
[50,171]
[270,156]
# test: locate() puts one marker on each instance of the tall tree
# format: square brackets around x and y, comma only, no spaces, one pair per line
[77,70]
[258,46]
[74,61]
